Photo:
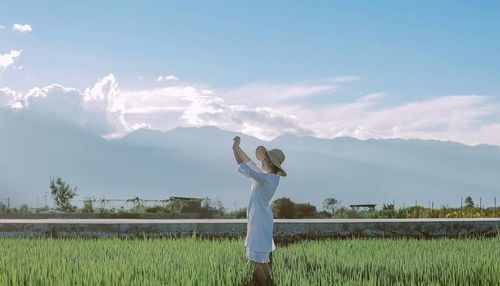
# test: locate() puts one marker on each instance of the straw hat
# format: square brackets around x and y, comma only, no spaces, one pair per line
[275,155]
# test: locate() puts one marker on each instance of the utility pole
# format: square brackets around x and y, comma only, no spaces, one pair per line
[8,204]
[480,208]
[461,206]
[416,213]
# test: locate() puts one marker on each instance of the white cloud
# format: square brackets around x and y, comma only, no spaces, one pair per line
[89,109]
[489,133]
[8,98]
[166,78]
[2,27]
[107,110]
[56,101]
[100,103]
[344,79]
[9,58]
[455,118]
[259,94]
[265,112]
[373,96]
[263,123]
[22,28]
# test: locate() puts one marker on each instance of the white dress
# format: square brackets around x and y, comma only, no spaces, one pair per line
[260,216]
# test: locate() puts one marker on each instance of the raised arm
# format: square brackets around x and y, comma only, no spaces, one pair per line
[249,169]
[239,154]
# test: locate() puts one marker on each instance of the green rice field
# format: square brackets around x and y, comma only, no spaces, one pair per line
[192,261]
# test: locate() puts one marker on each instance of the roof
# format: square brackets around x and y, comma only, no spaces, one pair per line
[365,205]
[184,198]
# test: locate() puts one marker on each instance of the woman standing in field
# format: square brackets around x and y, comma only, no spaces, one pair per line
[259,240]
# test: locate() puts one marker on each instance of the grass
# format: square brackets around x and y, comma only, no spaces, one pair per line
[191,261]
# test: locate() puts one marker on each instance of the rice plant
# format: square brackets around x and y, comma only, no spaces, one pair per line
[192,261]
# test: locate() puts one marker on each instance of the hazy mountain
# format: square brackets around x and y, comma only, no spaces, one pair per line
[199,162]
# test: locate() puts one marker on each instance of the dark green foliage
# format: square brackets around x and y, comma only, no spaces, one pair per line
[388,207]
[330,204]
[62,194]
[239,213]
[286,208]
[283,208]
[156,209]
[304,210]
[323,214]
[469,202]
[88,207]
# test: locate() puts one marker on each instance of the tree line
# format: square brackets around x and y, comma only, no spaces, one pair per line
[283,208]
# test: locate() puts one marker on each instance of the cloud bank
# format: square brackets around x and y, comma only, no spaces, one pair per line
[262,110]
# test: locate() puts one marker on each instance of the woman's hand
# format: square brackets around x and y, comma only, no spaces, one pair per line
[237,141]
[260,152]
[237,150]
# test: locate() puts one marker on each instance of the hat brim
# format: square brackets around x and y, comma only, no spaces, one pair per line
[260,151]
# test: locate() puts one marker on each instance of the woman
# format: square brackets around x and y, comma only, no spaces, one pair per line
[259,240]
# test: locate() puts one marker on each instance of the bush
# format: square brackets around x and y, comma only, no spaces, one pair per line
[156,209]
[283,208]
[239,213]
[304,210]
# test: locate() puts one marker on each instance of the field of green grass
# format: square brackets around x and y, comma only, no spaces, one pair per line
[192,261]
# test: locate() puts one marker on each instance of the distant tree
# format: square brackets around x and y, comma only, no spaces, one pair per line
[206,208]
[220,207]
[88,207]
[387,211]
[330,204]
[304,210]
[62,194]
[206,203]
[283,208]
[388,207]
[24,209]
[469,202]
[138,206]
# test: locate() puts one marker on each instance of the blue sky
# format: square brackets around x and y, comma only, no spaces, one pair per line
[436,58]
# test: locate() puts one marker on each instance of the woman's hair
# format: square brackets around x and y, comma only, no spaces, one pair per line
[274,169]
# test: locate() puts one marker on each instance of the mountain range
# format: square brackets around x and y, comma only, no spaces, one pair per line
[199,162]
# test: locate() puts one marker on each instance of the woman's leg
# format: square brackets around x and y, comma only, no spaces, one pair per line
[261,273]
[270,262]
